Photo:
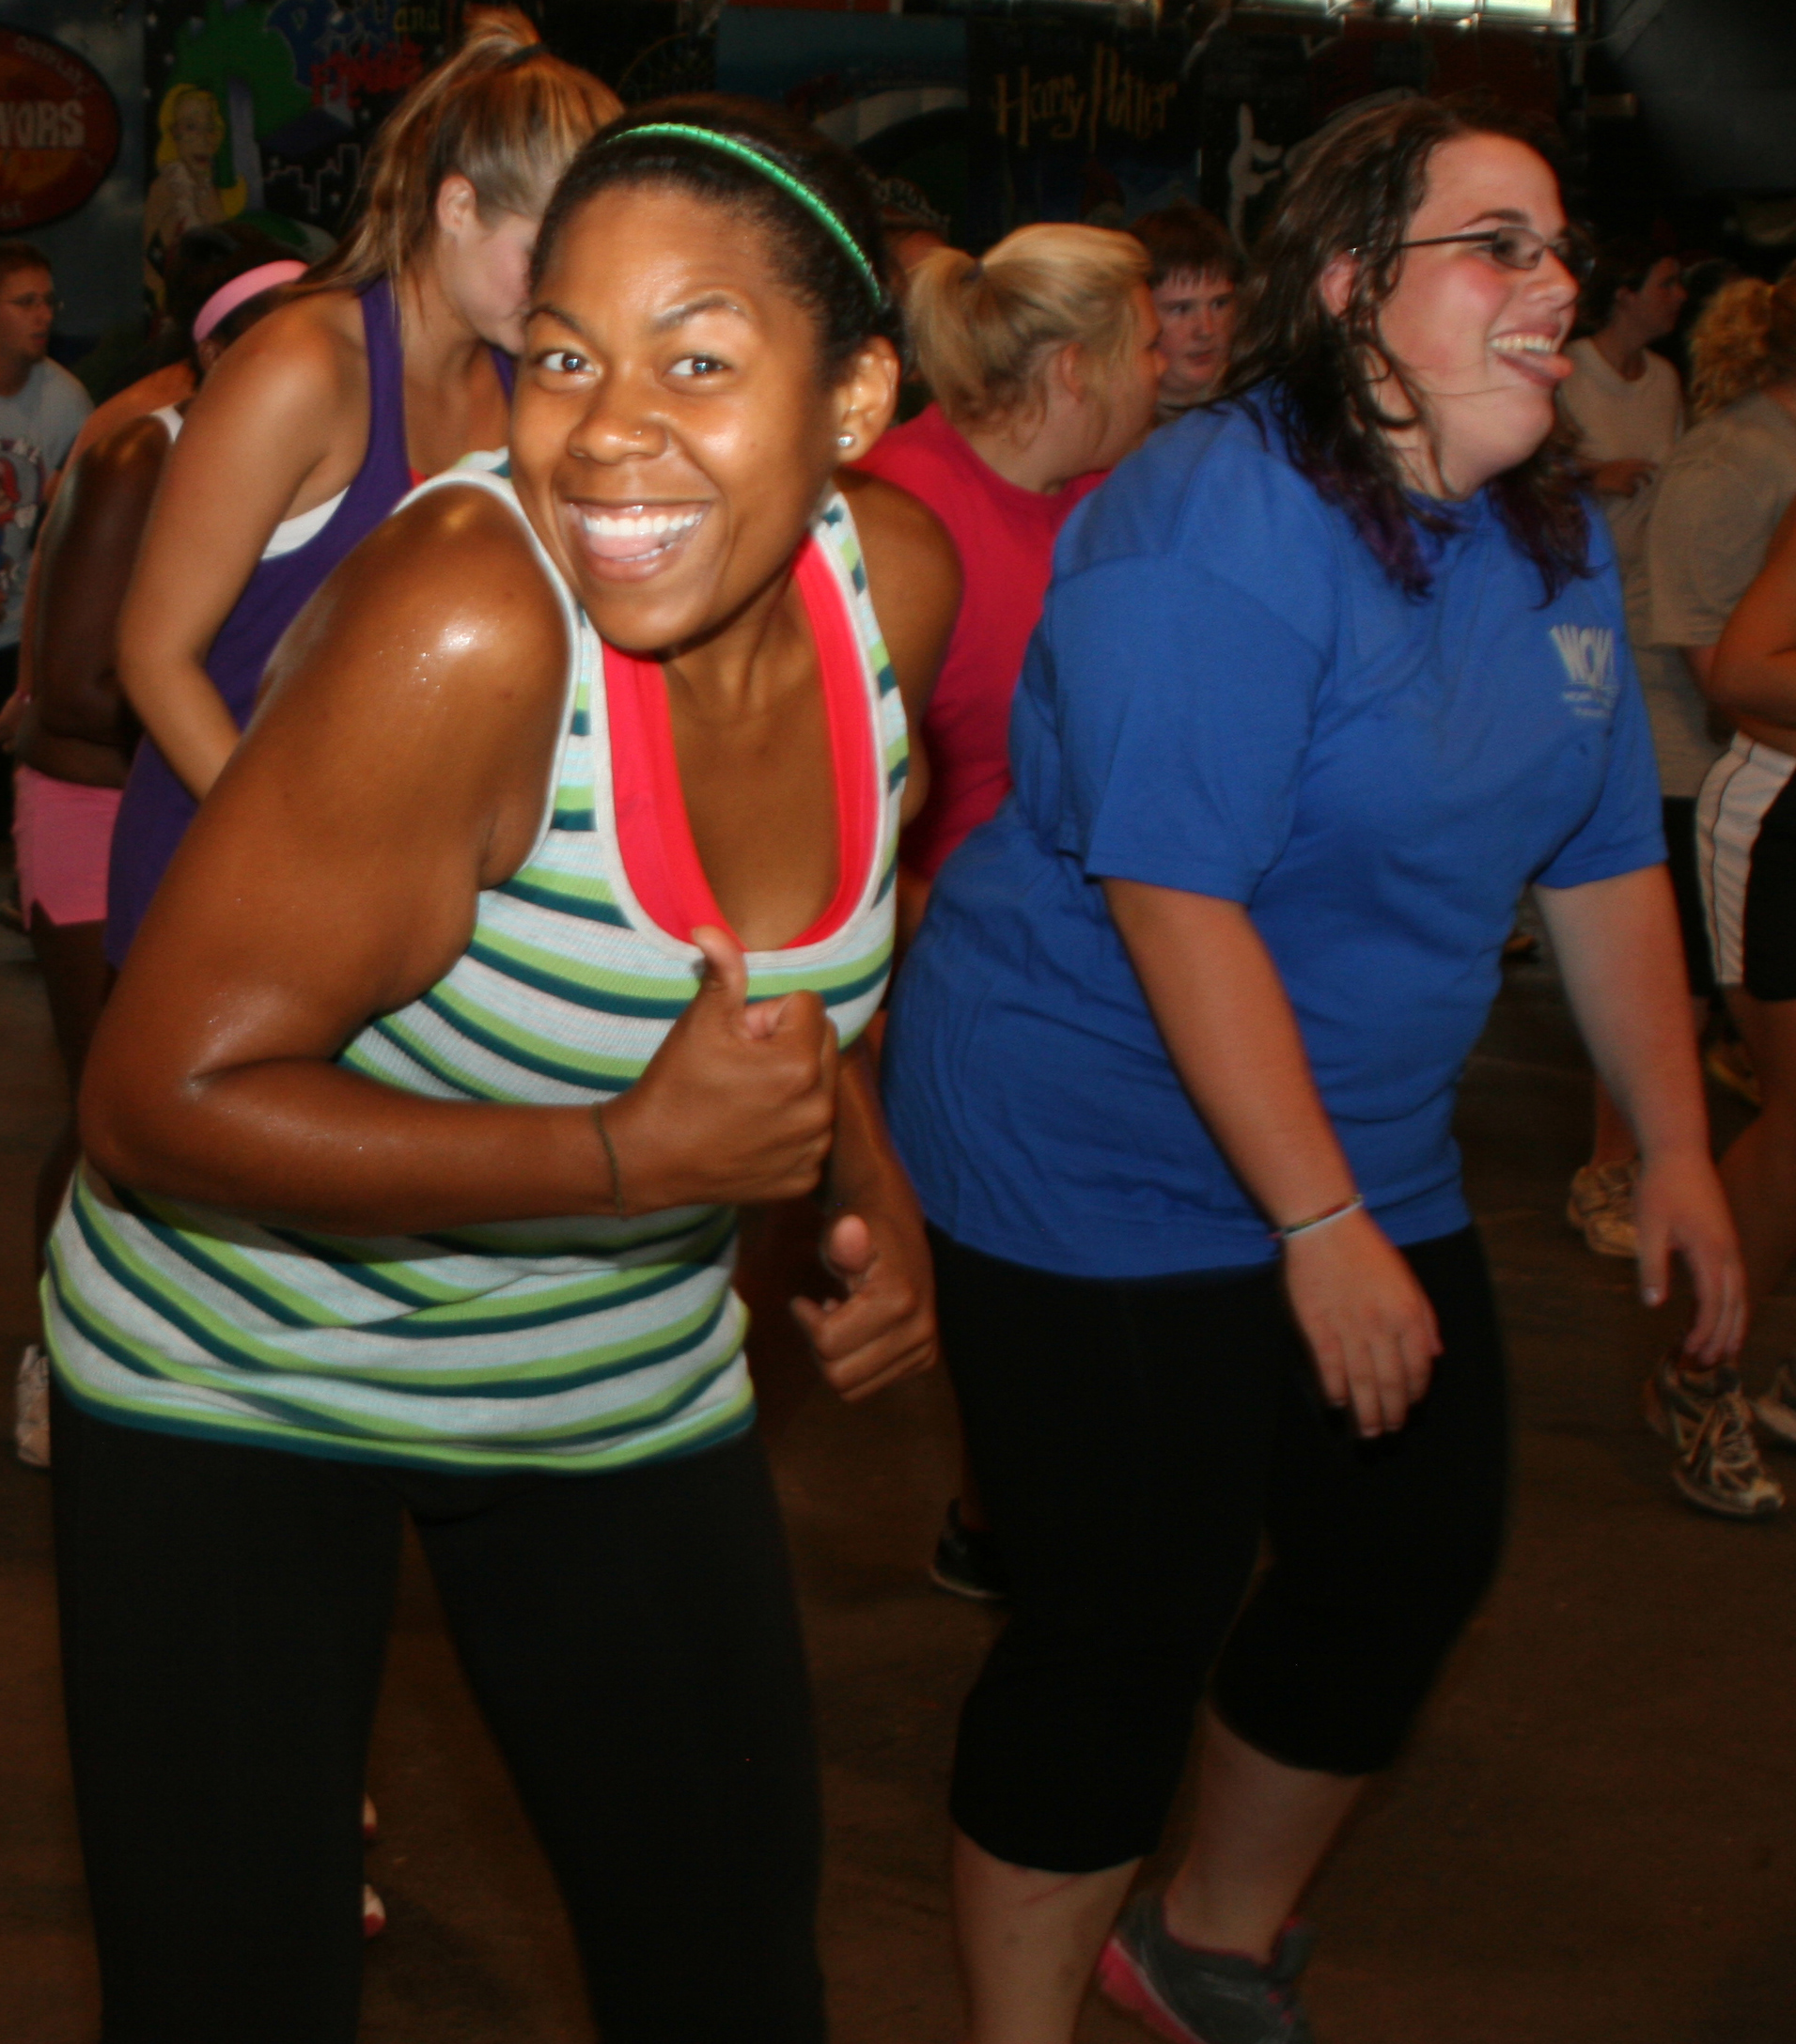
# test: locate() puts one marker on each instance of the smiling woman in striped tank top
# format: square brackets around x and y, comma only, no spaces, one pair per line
[529,933]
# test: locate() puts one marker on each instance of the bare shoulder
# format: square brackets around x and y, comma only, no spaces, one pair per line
[901,535]
[132,451]
[307,357]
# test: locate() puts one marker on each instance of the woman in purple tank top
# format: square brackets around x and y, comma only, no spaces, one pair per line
[391,364]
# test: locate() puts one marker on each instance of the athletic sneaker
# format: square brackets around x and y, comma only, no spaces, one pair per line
[1196,1997]
[1601,1208]
[1776,1410]
[967,1562]
[31,1409]
[1676,1398]
[1722,1471]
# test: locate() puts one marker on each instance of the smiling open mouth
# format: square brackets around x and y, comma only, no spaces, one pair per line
[635,535]
[1537,356]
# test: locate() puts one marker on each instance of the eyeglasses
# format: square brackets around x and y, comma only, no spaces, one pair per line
[32,300]
[1520,248]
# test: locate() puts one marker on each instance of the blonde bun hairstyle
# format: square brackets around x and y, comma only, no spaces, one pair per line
[1744,341]
[985,331]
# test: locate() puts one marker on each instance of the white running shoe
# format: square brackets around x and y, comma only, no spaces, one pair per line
[31,1409]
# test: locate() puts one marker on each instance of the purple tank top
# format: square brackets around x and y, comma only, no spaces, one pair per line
[157,809]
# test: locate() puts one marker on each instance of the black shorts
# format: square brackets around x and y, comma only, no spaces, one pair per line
[1680,857]
[1746,843]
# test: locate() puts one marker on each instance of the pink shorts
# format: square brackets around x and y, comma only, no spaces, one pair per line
[62,832]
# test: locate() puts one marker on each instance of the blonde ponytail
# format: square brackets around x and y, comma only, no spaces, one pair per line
[1744,341]
[984,332]
[502,113]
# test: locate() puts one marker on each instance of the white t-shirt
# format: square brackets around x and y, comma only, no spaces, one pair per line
[1618,420]
[37,426]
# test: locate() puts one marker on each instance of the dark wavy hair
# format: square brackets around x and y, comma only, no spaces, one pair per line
[809,262]
[1356,192]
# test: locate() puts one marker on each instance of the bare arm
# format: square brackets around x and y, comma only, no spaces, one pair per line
[398,767]
[1222,1012]
[885,1328]
[1618,949]
[85,561]
[278,427]
[1751,673]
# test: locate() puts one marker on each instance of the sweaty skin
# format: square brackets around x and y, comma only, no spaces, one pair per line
[398,766]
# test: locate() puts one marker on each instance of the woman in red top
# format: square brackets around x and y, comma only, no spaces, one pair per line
[1044,359]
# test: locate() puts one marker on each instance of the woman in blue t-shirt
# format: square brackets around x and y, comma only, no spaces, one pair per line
[1326,674]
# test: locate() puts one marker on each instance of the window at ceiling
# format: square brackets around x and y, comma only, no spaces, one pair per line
[1559,14]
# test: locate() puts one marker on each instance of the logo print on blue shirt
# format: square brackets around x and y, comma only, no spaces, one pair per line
[1588,652]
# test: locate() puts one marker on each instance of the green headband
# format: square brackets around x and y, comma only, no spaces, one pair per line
[777,174]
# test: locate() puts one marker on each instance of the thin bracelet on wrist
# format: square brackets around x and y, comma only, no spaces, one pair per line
[610,1158]
[1320,1219]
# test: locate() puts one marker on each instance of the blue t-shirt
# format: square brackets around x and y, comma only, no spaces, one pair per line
[1227,695]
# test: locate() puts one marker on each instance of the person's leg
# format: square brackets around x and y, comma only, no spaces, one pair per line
[1259,1833]
[1381,1552]
[223,1614]
[1759,1169]
[1747,838]
[1760,1166]
[76,980]
[1602,1197]
[1120,1433]
[1027,1942]
[633,1639]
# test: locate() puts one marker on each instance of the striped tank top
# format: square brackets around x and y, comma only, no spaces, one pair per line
[579,1344]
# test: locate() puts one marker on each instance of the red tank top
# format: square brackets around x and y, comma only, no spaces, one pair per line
[653,833]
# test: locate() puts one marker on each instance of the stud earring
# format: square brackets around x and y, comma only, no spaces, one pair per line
[845,440]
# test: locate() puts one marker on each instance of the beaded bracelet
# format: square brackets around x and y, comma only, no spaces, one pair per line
[1320,1219]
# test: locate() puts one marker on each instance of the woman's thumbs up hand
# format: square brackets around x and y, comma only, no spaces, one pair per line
[739,1104]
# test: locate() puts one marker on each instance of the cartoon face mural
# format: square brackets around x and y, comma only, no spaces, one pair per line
[185,193]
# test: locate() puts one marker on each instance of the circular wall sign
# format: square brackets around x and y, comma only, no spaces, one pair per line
[58,131]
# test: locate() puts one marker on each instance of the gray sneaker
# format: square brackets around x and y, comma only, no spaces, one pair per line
[1776,1410]
[1194,1997]
[1601,1207]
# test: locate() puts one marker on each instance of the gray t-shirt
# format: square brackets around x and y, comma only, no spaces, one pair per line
[1716,505]
[37,426]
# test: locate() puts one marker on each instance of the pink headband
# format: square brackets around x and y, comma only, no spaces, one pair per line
[240,290]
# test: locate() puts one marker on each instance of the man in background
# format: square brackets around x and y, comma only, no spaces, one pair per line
[1196,271]
[41,408]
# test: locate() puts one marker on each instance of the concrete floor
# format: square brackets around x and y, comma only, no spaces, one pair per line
[1593,1838]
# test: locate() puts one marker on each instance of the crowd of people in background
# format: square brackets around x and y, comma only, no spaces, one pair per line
[493,714]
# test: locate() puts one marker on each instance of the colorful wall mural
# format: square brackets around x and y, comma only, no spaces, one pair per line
[264,109]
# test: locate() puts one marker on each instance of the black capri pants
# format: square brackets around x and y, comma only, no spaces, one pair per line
[1134,1442]
[630,1637]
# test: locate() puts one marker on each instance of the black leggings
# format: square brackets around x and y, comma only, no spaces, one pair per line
[630,1637]
[1133,1441]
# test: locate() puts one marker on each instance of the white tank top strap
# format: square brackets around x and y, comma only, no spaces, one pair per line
[291,533]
